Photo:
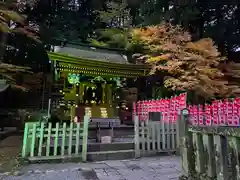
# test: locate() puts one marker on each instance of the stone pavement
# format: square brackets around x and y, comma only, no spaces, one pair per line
[153,168]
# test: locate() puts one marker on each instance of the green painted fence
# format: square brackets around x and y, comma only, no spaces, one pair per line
[45,142]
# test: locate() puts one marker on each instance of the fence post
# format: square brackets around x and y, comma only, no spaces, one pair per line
[33,140]
[221,160]
[208,147]
[236,152]
[198,152]
[136,136]
[186,145]
[85,138]
[178,134]
[25,146]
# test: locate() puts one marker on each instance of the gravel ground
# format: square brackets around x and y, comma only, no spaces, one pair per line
[154,168]
[9,151]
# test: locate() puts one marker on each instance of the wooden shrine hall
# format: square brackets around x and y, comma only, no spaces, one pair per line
[86,80]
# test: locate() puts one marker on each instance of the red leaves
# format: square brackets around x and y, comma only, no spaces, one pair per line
[190,65]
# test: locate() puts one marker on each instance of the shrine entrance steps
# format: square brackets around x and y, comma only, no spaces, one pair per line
[122,146]
[112,151]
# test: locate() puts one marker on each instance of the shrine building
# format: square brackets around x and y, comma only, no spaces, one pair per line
[86,80]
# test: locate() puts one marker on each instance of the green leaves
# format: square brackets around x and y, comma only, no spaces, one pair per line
[4,27]
[117,14]
[9,71]
[11,15]
[13,22]
[111,38]
[6,16]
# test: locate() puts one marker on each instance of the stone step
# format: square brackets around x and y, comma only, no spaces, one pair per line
[115,146]
[117,133]
[110,155]
[91,156]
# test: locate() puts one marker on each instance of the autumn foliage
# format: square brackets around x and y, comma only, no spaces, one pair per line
[187,65]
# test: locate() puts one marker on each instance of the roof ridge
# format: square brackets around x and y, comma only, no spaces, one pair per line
[91,54]
[90,45]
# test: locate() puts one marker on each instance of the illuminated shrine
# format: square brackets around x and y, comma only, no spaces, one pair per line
[87,79]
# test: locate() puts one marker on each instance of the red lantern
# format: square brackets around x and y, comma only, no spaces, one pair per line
[230,113]
[208,115]
[200,115]
[215,113]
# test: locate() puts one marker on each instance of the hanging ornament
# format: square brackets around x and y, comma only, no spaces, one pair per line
[73,78]
[118,81]
[98,79]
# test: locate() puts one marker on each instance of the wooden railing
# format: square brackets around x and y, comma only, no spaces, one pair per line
[152,137]
[45,142]
[209,152]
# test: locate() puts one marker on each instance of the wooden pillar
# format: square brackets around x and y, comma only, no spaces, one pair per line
[107,95]
[87,100]
[64,80]
[103,93]
[73,112]
[76,94]
[81,92]
[110,94]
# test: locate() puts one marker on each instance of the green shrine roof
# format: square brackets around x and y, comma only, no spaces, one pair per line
[92,53]
[75,58]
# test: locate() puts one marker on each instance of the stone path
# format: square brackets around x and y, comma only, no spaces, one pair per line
[154,168]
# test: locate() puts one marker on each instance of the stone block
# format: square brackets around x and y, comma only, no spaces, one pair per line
[106,139]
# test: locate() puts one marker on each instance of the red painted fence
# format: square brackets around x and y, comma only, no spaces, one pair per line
[219,113]
[168,107]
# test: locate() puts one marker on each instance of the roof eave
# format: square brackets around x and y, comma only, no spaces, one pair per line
[76,60]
